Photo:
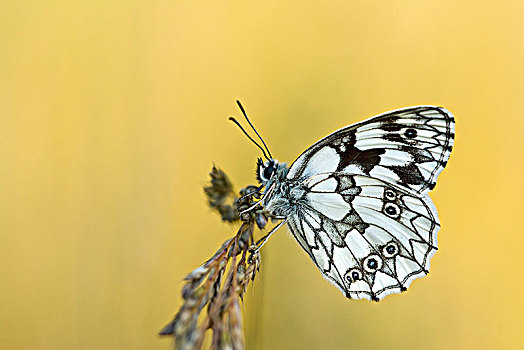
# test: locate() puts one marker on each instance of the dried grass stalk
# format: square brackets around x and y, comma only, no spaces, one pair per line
[218,286]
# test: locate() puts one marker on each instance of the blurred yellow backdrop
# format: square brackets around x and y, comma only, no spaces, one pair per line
[112,113]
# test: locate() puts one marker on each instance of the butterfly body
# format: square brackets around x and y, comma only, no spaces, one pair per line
[356,201]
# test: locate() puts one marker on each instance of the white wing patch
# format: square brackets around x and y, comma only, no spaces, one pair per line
[325,160]
[331,204]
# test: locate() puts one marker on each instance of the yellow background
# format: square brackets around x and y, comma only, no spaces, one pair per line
[112,113]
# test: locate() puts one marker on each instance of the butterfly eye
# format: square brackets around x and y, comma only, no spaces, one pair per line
[392,210]
[390,195]
[390,250]
[268,171]
[372,263]
[353,275]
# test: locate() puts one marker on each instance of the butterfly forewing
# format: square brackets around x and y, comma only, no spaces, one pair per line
[407,147]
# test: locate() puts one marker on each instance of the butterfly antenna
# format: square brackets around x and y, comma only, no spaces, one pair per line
[252,127]
[249,137]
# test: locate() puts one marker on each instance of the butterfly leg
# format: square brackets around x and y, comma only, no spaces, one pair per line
[260,243]
[260,202]
[255,192]
[251,207]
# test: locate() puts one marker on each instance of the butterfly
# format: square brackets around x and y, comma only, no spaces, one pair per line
[357,200]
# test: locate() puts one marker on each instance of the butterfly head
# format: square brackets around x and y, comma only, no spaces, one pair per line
[268,170]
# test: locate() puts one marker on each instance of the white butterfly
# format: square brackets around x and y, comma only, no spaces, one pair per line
[356,201]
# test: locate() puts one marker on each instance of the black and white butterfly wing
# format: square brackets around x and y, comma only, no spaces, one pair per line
[366,236]
[366,220]
[408,147]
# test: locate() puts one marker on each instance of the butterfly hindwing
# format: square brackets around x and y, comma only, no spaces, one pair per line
[366,236]
[407,147]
